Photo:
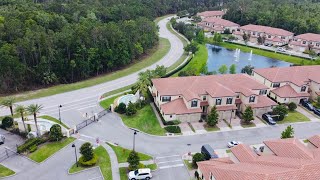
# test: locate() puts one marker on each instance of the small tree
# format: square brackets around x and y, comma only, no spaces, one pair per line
[131,109]
[287,133]
[200,37]
[227,31]
[8,102]
[233,69]
[55,133]
[247,69]
[133,160]
[197,158]
[192,47]
[87,151]
[213,117]
[217,38]
[7,122]
[223,69]
[318,101]
[248,115]
[292,106]
[121,108]
[280,110]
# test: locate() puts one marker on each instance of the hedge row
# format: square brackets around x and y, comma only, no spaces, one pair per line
[91,162]
[173,129]
[30,144]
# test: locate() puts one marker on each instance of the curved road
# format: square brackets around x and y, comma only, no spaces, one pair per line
[87,97]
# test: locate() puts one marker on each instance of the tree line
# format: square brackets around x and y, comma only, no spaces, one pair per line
[293,15]
[45,42]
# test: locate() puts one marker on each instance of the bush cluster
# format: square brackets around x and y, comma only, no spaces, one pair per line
[29,145]
[170,123]
[90,162]
[173,129]
[197,158]
[131,109]
[7,122]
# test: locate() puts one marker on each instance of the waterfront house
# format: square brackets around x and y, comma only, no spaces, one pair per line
[218,25]
[304,42]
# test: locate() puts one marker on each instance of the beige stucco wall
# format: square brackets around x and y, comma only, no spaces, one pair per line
[284,100]
[259,111]
[314,87]
[195,117]
[261,79]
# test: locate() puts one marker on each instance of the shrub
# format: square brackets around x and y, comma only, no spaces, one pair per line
[55,133]
[174,122]
[248,115]
[213,117]
[131,110]
[287,133]
[133,160]
[140,104]
[7,122]
[197,158]
[90,162]
[280,110]
[173,129]
[121,108]
[30,142]
[33,148]
[292,106]
[86,151]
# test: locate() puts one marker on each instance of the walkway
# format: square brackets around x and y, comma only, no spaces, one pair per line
[308,114]
[114,162]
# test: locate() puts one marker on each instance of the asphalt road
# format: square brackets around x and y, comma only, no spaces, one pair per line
[79,102]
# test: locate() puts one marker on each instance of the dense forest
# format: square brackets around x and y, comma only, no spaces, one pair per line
[298,16]
[48,42]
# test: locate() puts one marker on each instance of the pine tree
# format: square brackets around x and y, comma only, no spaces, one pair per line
[287,133]
[213,117]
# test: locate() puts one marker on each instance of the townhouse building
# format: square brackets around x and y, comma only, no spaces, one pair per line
[304,42]
[214,14]
[218,25]
[290,84]
[275,36]
[187,98]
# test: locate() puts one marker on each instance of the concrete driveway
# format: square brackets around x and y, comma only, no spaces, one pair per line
[11,140]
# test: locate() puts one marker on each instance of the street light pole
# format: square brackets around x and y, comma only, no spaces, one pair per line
[60,106]
[75,152]
[134,139]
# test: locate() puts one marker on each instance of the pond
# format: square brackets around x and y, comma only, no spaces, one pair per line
[218,56]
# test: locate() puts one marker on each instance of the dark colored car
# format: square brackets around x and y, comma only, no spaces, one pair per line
[208,152]
[305,103]
[268,119]
[316,111]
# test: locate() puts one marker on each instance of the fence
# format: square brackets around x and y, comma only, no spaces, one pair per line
[90,120]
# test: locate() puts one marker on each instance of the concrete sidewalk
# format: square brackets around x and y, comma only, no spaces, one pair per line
[114,162]
[143,162]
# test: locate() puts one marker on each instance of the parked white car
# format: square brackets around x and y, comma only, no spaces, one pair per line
[233,144]
[140,174]
[281,49]
[2,139]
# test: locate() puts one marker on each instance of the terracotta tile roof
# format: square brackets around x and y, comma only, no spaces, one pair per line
[211,13]
[266,29]
[298,75]
[309,37]
[244,153]
[263,101]
[219,21]
[297,43]
[277,39]
[237,33]
[206,165]
[178,106]
[287,91]
[315,140]
[215,85]
[204,103]
[226,108]
[291,148]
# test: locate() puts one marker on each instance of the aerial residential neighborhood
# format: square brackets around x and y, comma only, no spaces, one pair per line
[160,90]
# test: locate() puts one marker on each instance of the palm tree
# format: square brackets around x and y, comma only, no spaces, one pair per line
[34,109]
[8,102]
[21,110]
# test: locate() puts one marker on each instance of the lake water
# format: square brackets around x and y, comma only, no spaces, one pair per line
[218,56]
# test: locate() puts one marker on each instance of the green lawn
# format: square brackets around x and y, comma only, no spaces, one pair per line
[208,128]
[294,117]
[49,149]
[4,171]
[199,60]
[117,91]
[152,166]
[228,151]
[145,120]
[104,163]
[54,120]
[123,173]
[107,102]
[188,164]
[244,125]
[123,154]
[283,57]
[152,57]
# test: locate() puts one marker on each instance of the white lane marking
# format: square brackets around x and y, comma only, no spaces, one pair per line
[55,111]
[82,140]
[98,177]
[169,161]
[87,107]
[167,156]
[166,167]
[90,137]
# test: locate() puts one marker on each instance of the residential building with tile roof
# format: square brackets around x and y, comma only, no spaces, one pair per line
[187,98]
[290,84]
[214,14]
[275,36]
[303,42]
[217,25]
[280,159]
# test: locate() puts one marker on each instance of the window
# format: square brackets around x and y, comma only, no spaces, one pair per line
[262,92]
[170,116]
[229,100]
[238,29]
[238,96]
[304,42]
[251,99]
[253,33]
[204,98]
[275,85]
[318,44]
[194,103]
[303,88]
[218,101]
[269,36]
[166,98]
[282,37]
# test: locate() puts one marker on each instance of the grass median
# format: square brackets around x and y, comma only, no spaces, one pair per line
[4,171]
[104,163]
[54,120]
[48,149]
[123,154]
[154,55]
